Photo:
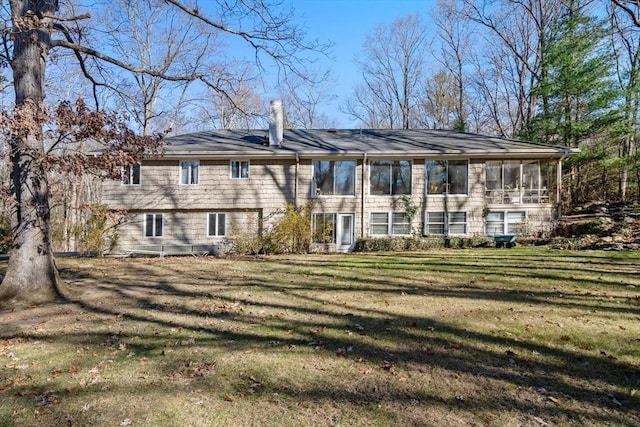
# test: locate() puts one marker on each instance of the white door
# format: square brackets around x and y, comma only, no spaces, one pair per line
[344,232]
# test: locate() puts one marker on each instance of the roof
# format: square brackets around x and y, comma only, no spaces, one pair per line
[354,142]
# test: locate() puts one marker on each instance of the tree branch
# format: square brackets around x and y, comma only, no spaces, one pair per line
[622,4]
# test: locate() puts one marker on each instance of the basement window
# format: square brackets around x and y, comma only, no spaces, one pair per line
[153,225]
[217,224]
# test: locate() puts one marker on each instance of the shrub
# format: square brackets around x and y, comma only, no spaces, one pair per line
[396,244]
[291,233]
[99,232]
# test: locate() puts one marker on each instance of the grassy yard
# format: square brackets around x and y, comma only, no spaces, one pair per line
[511,337]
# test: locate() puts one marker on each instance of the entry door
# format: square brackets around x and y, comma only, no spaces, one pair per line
[344,234]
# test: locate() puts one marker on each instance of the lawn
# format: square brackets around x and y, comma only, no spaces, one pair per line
[495,337]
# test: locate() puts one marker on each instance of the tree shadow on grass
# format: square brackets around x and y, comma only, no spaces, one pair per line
[275,314]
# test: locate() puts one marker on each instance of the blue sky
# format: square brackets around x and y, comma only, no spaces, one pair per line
[346,23]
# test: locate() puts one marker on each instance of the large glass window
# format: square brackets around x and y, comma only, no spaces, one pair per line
[515,181]
[390,177]
[389,223]
[240,169]
[447,176]
[189,172]
[334,177]
[153,225]
[446,223]
[216,224]
[324,228]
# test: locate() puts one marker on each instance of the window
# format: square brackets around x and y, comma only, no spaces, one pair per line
[131,174]
[389,223]
[515,181]
[446,223]
[334,177]
[216,224]
[239,169]
[400,223]
[379,223]
[434,223]
[189,172]
[390,177]
[153,225]
[447,176]
[324,228]
[505,222]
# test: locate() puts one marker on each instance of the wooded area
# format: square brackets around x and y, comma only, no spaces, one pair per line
[561,72]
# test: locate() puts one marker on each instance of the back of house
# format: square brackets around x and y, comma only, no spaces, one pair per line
[213,185]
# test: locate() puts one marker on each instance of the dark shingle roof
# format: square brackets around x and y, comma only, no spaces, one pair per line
[318,142]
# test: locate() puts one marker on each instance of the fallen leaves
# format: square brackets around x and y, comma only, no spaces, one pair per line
[194,370]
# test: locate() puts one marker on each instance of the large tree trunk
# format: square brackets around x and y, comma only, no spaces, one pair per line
[31,273]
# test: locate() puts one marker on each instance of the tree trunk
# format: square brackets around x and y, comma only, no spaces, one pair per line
[31,272]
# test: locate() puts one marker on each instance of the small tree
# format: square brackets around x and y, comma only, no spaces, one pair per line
[99,232]
[292,233]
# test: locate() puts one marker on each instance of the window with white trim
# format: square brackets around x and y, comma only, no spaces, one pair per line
[324,228]
[331,178]
[446,223]
[216,224]
[389,177]
[131,174]
[505,222]
[239,169]
[153,225]
[189,172]
[389,223]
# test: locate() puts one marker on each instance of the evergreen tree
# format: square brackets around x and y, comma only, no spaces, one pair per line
[577,96]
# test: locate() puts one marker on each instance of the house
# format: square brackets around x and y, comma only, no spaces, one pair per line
[363,183]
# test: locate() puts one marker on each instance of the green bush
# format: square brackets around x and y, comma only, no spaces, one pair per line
[398,244]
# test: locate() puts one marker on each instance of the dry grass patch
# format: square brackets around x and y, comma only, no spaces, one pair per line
[482,337]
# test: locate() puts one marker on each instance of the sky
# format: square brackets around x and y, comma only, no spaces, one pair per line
[346,23]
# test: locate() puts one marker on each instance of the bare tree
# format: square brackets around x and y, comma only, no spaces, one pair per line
[393,67]
[512,68]
[629,7]
[437,109]
[372,110]
[149,35]
[625,43]
[303,98]
[41,27]
[455,38]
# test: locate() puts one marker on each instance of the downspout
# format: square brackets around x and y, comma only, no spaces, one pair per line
[295,183]
[559,185]
[362,194]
